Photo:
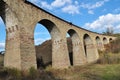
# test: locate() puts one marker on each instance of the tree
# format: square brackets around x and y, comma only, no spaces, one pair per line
[109,31]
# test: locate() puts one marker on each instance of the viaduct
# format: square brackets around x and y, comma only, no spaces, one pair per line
[20,18]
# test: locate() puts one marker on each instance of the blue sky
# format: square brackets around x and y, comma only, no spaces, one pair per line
[94,15]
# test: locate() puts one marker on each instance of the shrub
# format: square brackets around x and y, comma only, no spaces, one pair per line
[114,46]
[14,73]
[33,73]
[109,58]
[1,60]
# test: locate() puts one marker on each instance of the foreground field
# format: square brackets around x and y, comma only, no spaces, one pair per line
[107,68]
[90,72]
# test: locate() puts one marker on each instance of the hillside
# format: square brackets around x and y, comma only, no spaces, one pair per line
[44,52]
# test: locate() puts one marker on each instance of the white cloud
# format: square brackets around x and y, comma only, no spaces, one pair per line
[90,6]
[2,45]
[71,9]
[35,1]
[76,2]
[46,5]
[41,33]
[117,10]
[60,3]
[69,6]
[104,21]
[66,6]
[40,40]
[0,20]
[117,27]
[90,12]
[93,6]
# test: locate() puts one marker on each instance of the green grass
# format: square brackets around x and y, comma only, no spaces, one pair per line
[109,58]
[108,68]
[90,72]
[111,72]
[106,72]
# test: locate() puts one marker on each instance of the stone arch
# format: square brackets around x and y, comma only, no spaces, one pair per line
[58,56]
[105,40]
[87,41]
[51,27]
[90,49]
[97,39]
[98,42]
[110,39]
[76,55]
[46,59]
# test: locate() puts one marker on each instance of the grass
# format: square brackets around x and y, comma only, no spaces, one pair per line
[109,58]
[107,68]
[1,60]
[90,72]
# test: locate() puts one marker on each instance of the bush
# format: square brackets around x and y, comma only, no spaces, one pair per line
[114,46]
[1,60]
[14,73]
[109,58]
[33,73]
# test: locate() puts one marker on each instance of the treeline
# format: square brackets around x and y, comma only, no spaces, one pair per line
[114,46]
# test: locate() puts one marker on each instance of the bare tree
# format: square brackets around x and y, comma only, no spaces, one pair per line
[109,31]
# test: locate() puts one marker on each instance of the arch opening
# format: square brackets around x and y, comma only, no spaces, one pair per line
[105,41]
[72,43]
[90,49]
[110,39]
[98,43]
[2,40]
[43,49]
[87,42]
[70,48]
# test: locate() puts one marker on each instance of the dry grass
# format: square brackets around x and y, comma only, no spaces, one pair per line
[109,58]
[14,74]
[106,71]
[114,46]
[90,72]
[1,60]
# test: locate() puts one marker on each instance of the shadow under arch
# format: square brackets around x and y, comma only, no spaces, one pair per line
[87,41]
[76,55]
[90,49]
[51,27]
[43,60]
[2,8]
[110,39]
[105,40]
[98,43]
